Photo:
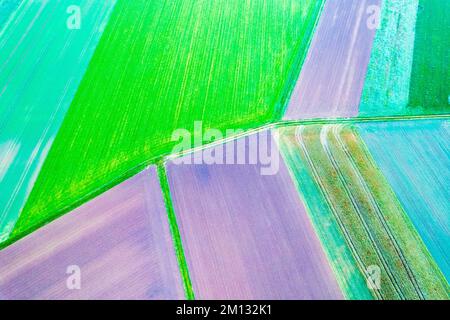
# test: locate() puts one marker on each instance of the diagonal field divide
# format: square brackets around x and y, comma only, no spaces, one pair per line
[42,62]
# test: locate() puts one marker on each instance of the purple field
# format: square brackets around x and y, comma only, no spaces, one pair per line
[247,235]
[120,241]
[342,43]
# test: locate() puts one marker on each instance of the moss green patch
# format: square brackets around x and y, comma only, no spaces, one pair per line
[430,79]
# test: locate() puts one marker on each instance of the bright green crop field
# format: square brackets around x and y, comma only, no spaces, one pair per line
[159,66]
[430,78]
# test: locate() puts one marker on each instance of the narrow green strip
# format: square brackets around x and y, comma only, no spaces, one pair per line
[315,121]
[175,233]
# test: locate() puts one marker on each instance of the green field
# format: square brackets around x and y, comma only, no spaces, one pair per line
[430,78]
[161,65]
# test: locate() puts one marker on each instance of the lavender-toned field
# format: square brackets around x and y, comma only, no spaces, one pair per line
[247,235]
[120,244]
[342,44]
